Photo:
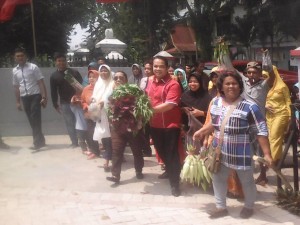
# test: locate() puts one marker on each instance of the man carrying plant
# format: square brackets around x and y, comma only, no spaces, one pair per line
[62,92]
[256,90]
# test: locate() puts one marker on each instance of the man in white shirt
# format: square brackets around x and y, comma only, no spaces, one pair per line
[29,87]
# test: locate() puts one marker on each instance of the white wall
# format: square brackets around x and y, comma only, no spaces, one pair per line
[15,123]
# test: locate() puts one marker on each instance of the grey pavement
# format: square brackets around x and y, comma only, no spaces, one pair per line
[59,186]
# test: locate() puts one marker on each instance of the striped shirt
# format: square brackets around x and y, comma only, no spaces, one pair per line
[236,151]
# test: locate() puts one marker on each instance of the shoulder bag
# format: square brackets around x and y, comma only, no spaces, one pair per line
[212,161]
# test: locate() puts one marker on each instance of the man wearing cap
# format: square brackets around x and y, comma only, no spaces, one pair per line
[256,89]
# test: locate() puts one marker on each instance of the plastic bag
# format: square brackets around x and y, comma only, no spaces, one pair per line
[194,125]
[266,61]
[94,111]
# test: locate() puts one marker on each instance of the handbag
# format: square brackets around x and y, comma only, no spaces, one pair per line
[212,161]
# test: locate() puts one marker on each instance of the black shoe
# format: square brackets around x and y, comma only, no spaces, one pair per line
[165,175]
[73,146]
[37,147]
[139,175]
[4,146]
[147,154]
[113,179]
[217,213]
[176,191]
[246,213]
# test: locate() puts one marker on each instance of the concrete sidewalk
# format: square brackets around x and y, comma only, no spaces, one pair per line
[58,186]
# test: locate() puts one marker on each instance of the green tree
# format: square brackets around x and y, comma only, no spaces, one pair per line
[141,24]
[203,20]
[244,31]
[54,20]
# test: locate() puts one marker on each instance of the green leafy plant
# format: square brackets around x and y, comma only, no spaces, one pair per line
[129,108]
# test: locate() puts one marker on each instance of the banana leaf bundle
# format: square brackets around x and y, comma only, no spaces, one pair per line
[73,82]
[129,108]
[222,55]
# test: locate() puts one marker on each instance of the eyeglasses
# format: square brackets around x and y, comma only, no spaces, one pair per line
[119,78]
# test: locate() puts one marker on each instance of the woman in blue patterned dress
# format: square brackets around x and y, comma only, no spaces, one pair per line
[235,148]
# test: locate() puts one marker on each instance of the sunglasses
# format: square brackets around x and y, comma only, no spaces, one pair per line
[119,78]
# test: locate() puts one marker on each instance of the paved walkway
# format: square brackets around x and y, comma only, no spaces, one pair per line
[58,186]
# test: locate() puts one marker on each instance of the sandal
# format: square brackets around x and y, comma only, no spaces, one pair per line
[106,168]
[87,153]
[91,156]
[262,181]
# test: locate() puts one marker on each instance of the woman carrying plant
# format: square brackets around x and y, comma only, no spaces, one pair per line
[235,148]
[129,110]
[102,90]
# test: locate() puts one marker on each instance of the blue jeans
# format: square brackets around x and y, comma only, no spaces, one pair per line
[70,122]
[220,186]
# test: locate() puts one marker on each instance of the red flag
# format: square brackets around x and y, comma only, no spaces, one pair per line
[8,8]
[111,1]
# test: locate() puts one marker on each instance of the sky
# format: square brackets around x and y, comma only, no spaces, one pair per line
[78,38]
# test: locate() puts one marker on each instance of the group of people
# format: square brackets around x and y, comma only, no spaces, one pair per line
[175,94]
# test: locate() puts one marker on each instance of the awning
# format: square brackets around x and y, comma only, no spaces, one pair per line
[183,39]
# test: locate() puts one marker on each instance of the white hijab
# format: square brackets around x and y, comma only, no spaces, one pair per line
[103,88]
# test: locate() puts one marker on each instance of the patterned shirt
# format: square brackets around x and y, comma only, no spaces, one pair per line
[236,151]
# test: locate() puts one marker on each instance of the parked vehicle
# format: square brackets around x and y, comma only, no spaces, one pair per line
[289,77]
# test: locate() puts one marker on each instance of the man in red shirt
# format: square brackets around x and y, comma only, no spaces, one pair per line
[164,94]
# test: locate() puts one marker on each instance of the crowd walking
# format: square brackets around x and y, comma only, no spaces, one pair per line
[244,114]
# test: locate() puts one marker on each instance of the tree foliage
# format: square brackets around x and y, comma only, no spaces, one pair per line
[53,19]
[141,24]
[145,24]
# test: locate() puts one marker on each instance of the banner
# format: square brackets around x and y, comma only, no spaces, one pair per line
[8,8]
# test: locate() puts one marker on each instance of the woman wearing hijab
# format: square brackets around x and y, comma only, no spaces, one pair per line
[196,100]
[102,90]
[181,75]
[86,96]
[137,75]
[278,115]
